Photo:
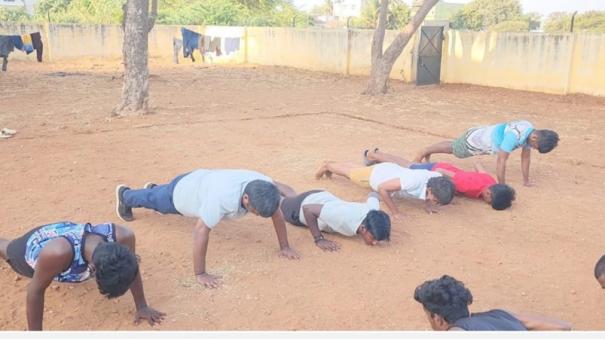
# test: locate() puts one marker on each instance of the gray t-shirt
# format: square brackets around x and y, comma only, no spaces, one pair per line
[337,215]
[213,194]
[494,320]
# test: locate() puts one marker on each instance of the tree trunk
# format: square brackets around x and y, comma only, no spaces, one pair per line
[136,25]
[382,63]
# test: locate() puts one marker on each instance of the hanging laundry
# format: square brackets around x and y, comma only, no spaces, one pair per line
[215,46]
[38,45]
[177,44]
[7,45]
[28,47]
[231,45]
[190,42]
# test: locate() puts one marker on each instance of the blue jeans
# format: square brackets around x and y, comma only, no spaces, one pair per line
[158,198]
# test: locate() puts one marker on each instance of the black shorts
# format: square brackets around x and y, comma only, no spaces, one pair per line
[290,207]
[16,255]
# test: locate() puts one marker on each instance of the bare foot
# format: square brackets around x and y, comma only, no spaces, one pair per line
[422,156]
[323,170]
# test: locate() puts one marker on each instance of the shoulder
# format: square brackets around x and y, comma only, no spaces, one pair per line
[56,252]
[123,233]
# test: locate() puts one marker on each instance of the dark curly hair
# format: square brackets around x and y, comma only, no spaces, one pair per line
[264,197]
[446,297]
[502,196]
[547,140]
[599,268]
[116,267]
[442,188]
[378,223]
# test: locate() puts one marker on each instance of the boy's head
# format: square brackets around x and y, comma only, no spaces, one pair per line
[599,271]
[500,196]
[445,300]
[261,198]
[116,267]
[376,227]
[544,140]
[440,190]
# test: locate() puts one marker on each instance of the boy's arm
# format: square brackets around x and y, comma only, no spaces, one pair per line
[540,323]
[201,234]
[525,160]
[282,236]
[385,190]
[312,212]
[501,166]
[285,190]
[52,260]
[126,237]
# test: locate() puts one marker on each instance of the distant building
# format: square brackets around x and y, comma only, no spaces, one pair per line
[28,5]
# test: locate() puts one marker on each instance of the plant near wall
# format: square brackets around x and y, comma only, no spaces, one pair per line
[397,17]
[479,15]
[14,15]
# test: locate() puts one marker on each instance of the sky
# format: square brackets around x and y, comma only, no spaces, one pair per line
[543,7]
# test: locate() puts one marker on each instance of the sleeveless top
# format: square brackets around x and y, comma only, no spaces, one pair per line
[79,269]
[494,320]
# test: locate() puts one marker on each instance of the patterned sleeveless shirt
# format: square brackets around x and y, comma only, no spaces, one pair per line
[79,269]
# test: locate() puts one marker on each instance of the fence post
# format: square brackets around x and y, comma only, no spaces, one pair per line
[49,45]
[245,45]
[348,64]
[570,69]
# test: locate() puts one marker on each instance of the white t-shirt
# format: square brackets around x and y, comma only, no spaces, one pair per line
[413,182]
[213,194]
[337,215]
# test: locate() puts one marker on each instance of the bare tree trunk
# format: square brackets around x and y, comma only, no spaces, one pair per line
[382,63]
[137,24]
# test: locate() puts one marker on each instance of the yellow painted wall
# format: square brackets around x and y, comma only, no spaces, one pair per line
[587,73]
[314,49]
[536,62]
[551,63]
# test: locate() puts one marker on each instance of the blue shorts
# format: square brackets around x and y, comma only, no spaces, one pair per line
[423,165]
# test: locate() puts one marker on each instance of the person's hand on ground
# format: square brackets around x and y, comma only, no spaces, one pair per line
[208,280]
[328,245]
[289,253]
[152,316]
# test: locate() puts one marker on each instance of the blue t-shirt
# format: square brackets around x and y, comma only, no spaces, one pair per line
[509,136]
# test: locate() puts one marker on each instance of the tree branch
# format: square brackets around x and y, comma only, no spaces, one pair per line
[378,38]
[153,15]
[402,39]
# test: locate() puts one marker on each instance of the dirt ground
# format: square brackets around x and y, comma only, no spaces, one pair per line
[68,156]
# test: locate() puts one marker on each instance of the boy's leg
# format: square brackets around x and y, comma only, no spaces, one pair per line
[3,248]
[157,198]
[328,168]
[440,147]
[378,156]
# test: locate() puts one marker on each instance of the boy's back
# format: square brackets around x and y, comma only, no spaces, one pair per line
[413,182]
